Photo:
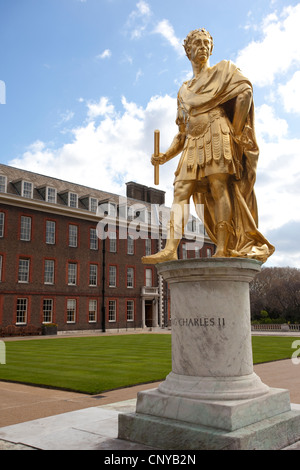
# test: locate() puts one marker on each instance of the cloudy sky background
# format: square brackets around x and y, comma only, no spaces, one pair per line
[88,81]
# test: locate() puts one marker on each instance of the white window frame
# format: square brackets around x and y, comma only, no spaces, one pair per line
[49,272]
[50,232]
[93,204]
[130,277]
[48,310]
[93,307]
[130,245]
[22,302]
[93,239]
[93,275]
[148,247]
[52,198]
[72,274]
[25,228]
[73,236]
[113,242]
[24,271]
[3,184]
[71,310]
[149,277]
[112,276]
[2,224]
[130,310]
[112,310]
[73,200]
[27,192]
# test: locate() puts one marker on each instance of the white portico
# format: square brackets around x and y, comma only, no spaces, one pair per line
[150,300]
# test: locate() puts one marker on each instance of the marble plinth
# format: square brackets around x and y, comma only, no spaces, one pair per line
[212,394]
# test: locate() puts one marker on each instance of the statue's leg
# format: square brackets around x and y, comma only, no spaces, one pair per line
[219,187]
[178,218]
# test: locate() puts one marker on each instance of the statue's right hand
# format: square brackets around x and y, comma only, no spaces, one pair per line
[160,159]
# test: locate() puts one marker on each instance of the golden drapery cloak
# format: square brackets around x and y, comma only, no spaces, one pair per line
[223,84]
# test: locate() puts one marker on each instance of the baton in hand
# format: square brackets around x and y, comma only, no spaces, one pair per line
[156,154]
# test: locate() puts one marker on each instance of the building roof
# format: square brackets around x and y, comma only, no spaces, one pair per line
[138,194]
[15,175]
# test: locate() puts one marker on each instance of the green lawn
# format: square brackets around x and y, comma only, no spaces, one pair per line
[272,348]
[90,364]
[96,364]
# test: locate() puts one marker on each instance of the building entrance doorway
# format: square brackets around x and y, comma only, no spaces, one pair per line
[149,313]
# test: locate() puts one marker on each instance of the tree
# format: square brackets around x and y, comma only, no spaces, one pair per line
[276,290]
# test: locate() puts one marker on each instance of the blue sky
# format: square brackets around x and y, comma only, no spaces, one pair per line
[87,82]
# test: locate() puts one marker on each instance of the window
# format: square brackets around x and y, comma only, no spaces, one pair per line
[1,267]
[148,246]
[112,310]
[49,271]
[2,221]
[208,252]
[113,242]
[2,184]
[51,195]
[197,251]
[25,232]
[71,311]
[149,276]
[93,274]
[130,245]
[93,204]
[73,236]
[27,189]
[47,310]
[73,200]
[93,239]
[130,277]
[130,310]
[92,311]
[112,276]
[22,310]
[72,274]
[24,266]
[50,232]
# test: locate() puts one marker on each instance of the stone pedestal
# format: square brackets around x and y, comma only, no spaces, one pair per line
[212,399]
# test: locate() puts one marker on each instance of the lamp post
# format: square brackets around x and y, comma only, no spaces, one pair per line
[103,285]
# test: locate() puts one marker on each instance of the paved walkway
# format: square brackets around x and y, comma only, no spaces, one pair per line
[35,417]
[38,418]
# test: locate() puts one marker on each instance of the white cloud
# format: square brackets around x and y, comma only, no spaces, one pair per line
[143,8]
[138,75]
[102,108]
[106,54]
[272,63]
[109,153]
[268,124]
[278,182]
[290,94]
[138,20]
[278,50]
[165,29]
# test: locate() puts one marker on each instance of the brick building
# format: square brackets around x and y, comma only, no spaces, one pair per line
[54,268]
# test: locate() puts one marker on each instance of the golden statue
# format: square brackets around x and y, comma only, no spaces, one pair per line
[219,157]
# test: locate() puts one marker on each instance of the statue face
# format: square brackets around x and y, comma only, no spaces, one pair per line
[200,49]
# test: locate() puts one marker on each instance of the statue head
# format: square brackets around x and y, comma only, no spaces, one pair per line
[192,36]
